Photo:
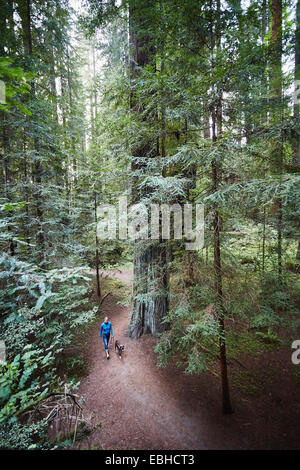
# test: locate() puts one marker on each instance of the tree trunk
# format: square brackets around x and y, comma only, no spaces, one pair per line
[276,95]
[71,120]
[6,134]
[296,143]
[97,251]
[264,241]
[7,182]
[219,307]
[24,8]
[150,282]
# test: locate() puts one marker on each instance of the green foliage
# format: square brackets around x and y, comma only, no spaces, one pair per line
[55,304]
[84,123]
[16,83]
[44,308]
[25,381]
[268,337]
[14,435]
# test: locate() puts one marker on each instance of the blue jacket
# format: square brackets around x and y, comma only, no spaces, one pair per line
[106,329]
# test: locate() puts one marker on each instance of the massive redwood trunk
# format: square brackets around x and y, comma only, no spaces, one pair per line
[150,282]
[150,257]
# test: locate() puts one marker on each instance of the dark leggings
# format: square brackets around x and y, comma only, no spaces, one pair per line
[106,341]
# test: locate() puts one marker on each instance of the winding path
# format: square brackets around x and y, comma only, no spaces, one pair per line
[143,407]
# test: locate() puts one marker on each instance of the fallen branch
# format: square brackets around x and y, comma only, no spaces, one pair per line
[39,400]
[103,298]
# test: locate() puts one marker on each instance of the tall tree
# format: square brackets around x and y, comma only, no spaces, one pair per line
[150,276]
[217,131]
[296,143]
[24,9]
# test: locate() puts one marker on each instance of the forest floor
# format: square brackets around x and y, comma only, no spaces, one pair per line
[143,407]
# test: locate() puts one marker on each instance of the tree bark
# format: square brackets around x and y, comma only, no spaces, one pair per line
[296,143]
[150,258]
[97,250]
[276,100]
[219,308]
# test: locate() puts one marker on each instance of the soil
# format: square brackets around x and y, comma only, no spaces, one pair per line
[143,407]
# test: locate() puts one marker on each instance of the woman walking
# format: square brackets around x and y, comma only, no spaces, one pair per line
[105,332]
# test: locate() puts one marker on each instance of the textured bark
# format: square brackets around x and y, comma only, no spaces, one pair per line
[150,258]
[97,249]
[276,94]
[150,281]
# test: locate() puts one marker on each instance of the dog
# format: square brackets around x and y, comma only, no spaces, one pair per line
[119,348]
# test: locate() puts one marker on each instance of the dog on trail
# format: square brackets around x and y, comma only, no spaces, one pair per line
[119,348]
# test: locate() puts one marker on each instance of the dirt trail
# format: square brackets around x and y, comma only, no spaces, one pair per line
[143,407]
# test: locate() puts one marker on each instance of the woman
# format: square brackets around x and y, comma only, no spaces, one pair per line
[105,331]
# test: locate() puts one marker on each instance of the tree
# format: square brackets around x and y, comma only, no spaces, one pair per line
[150,259]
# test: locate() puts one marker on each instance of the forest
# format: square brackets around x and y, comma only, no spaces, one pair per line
[112,110]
